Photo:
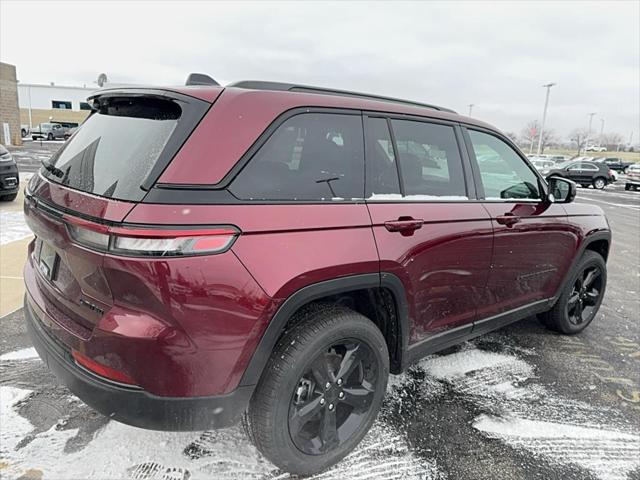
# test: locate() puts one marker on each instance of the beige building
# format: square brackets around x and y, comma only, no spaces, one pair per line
[10,131]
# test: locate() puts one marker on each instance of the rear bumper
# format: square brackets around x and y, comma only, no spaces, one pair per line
[132,405]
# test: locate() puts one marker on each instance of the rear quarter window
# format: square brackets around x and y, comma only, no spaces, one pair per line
[310,157]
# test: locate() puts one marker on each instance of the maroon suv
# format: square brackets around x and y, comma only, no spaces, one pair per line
[270,252]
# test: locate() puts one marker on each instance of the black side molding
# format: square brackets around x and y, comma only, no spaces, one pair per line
[463,333]
[590,239]
[315,291]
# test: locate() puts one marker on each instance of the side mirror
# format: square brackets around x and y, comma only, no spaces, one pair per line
[561,190]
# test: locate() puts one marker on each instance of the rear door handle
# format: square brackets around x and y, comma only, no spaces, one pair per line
[508,219]
[405,225]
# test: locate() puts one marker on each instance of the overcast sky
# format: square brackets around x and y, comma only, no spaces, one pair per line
[495,55]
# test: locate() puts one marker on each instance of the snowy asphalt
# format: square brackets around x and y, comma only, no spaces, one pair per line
[520,403]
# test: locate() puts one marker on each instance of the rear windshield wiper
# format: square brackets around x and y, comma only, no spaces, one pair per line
[50,168]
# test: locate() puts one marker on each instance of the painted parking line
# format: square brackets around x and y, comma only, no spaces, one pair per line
[621,205]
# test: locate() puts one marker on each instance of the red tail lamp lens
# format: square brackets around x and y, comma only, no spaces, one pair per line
[101,370]
[151,241]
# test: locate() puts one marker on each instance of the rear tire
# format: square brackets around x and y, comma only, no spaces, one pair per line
[627,187]
[599,183]
[50,136]
[305,415]
[581,298]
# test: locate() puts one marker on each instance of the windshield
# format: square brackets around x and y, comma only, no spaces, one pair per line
[116,147]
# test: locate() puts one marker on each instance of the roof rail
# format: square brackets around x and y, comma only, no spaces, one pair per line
[290,87]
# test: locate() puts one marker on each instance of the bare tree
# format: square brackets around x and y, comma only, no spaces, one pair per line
[612,141]
[579,137]
[529,134]
[548,138]
[513,136]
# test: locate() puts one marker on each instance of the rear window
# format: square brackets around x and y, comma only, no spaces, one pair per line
[115,149]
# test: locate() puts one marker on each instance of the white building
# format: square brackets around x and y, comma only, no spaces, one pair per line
[55,103]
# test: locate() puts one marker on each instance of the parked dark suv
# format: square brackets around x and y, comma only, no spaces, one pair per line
[584,173]
[9,176]
[271,252]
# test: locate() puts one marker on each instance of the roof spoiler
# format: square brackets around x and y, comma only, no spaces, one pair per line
[201,79]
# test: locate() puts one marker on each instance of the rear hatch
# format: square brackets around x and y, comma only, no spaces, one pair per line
[89,186]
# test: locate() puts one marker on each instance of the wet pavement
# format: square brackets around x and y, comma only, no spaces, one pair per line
[519,403]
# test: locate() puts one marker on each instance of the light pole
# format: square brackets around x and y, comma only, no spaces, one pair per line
[601,130]
[30,119]
[544,114]
[471,105]
[586,142]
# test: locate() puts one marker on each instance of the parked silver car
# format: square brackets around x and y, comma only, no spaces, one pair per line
[49,131]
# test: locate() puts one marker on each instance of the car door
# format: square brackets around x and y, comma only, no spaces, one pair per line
[428,232]
[576,172]
[532,246]
[590,171]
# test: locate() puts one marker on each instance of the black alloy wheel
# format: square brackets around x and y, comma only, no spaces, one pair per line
[320,391]
[585,296]
[333,397]
[580,298]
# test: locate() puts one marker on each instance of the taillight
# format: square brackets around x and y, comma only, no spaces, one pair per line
[153,242]
[101,370]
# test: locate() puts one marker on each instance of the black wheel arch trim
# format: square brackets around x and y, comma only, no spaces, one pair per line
[312,292]
[590,239]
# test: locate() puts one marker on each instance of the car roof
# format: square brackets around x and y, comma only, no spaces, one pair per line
[333,98]
[241,114]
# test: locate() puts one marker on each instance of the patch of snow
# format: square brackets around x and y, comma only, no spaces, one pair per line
[461,363]
[122,451]
[24,354]
[528,416]
[414,198]
[609,454]
[13,427]
[13,227]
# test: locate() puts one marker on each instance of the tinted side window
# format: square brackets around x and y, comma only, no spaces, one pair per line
[382,171]
[504,174]
[430,162]
[589,166]
[311,156]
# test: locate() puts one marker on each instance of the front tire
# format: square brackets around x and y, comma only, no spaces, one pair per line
[581,298]
[320,391]
[599,183]
[50,136]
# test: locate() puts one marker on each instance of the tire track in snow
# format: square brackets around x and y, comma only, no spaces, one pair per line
[530,417]
[120,451]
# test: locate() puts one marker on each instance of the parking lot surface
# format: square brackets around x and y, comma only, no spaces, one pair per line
[520,403]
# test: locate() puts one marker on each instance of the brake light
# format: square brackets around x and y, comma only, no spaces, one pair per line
[101,370]
[154,242]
